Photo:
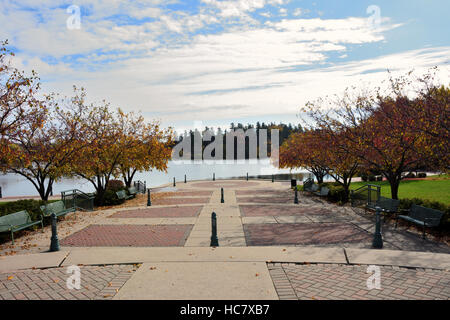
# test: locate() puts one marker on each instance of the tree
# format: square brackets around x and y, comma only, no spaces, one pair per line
[305,150]
[41,151]
[380,129]
[151,148]
[18,105]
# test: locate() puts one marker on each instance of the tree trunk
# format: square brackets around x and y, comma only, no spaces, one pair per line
[394,182]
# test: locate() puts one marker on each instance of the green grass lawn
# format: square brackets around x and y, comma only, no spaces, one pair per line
[433,190]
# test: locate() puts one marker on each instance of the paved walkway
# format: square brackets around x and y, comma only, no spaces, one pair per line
[266,242]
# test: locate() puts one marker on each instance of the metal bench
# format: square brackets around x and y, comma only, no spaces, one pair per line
[132,191]
[421,216]
[17,221]
[313,188]
[323,192]
[122,195]
[58,208]
[386,204]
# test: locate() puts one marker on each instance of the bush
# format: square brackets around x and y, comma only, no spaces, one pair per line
[115,185]
[380,178]
[371,177]
[32,206]
[337,192]
[445,222]
[364,177]
[421,175]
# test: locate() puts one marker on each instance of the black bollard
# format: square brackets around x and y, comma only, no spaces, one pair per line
[184,178]
[145,186]
[221,198]
[247,176]
[1,193]
[214,240]
[272,178]
[214,177]
[174,184]
[296,196]
[377,238]
[149,200]
[54,242]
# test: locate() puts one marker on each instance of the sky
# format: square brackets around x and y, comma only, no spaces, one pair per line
[212,62]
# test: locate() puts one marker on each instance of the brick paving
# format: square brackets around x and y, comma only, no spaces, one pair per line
[279,210]
[129,235]
[190,194]
[264,192]
[288,199]
[168,212]
[304,234]
[172,201]
[225,184]
[97,282]
[349,282]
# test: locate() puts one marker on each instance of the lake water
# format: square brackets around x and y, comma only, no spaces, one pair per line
[15,185]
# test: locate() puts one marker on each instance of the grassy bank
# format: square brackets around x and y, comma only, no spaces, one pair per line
[434,189]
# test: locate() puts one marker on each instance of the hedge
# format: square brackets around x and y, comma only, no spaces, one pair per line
[31,205]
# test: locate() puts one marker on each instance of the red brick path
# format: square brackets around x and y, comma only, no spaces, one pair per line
[277,210]
[171,201]
[190,194]
[97,282]
[188,211]
[265,199]
[262,192]
[225,184]
[303,234]
[349,282]
[129,235]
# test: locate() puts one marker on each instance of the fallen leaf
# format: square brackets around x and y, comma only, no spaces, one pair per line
[257,275]
[152,268]
[10,277]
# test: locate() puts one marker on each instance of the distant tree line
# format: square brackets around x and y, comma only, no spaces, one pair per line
[209,134]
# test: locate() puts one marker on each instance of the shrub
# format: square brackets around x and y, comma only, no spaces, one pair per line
[115,185]
[380,178]
[32,206]
[371,177]
[337,192]
[445,222]
[421,175]
[364,177]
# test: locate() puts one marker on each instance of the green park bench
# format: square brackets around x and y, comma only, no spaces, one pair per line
[311,188]
[421,216]
[386,205]
[323,192]
[58,208]
[122,195]
[17,221]
[132,191]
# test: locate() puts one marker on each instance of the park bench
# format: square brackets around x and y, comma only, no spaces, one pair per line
[122,195]
[132,191]
[58,208]
[386,205]
[421,216]
[323,192]
[17,221]
[313,188]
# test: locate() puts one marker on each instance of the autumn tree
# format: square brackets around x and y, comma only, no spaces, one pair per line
[305,150]
[41,151]
[148,146]
[18,104]
[381,128]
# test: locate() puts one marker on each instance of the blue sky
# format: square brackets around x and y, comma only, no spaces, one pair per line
[212,62]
